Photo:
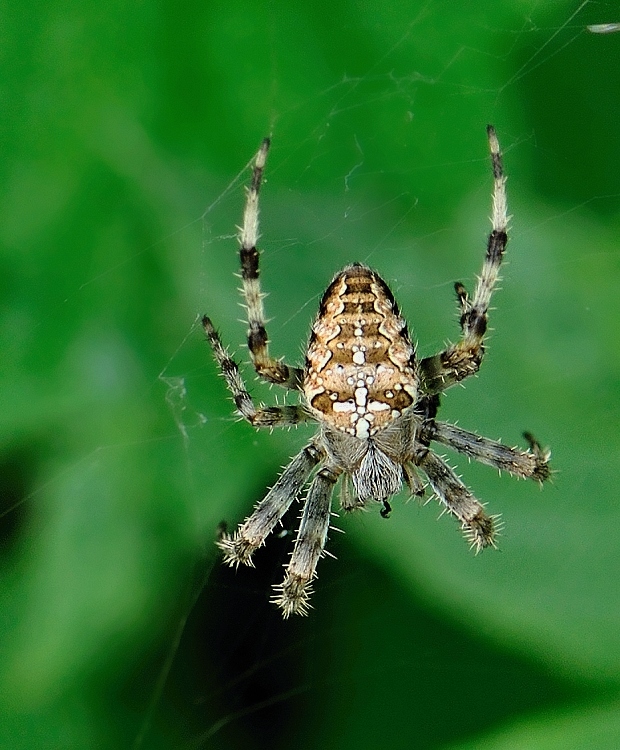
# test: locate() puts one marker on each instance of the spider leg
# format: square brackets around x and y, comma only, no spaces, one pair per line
[477,526]
[268,368]
[527,464]
[251,534]
[413,481]
[293,593]
[349,500]
[263,416]
[462,359]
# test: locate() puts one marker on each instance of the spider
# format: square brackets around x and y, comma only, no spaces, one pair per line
[374,400]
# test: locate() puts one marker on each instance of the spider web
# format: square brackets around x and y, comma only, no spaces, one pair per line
[365,166]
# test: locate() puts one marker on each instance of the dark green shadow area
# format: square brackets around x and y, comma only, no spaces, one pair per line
[369,663]
[18,470]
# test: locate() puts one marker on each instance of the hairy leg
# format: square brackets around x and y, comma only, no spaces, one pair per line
[272,370]
[263,416]
[532,464]
[479,529]
[251,534]
[293,593]
[463,358]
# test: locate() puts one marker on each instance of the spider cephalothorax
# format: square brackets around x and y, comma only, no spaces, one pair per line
[375,403]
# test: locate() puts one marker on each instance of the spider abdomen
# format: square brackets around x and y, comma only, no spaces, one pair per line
[361,370]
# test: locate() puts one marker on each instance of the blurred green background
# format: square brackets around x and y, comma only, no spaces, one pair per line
[126,133]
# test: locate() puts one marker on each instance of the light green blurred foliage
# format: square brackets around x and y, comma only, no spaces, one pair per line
[126,130]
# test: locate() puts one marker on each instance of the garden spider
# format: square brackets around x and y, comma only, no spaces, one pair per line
[374,401]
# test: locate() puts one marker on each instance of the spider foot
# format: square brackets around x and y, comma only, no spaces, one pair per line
[481,531]
[237,550]
[293,596]
[541,471]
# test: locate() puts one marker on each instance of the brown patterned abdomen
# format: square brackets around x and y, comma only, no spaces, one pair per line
[360,369]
